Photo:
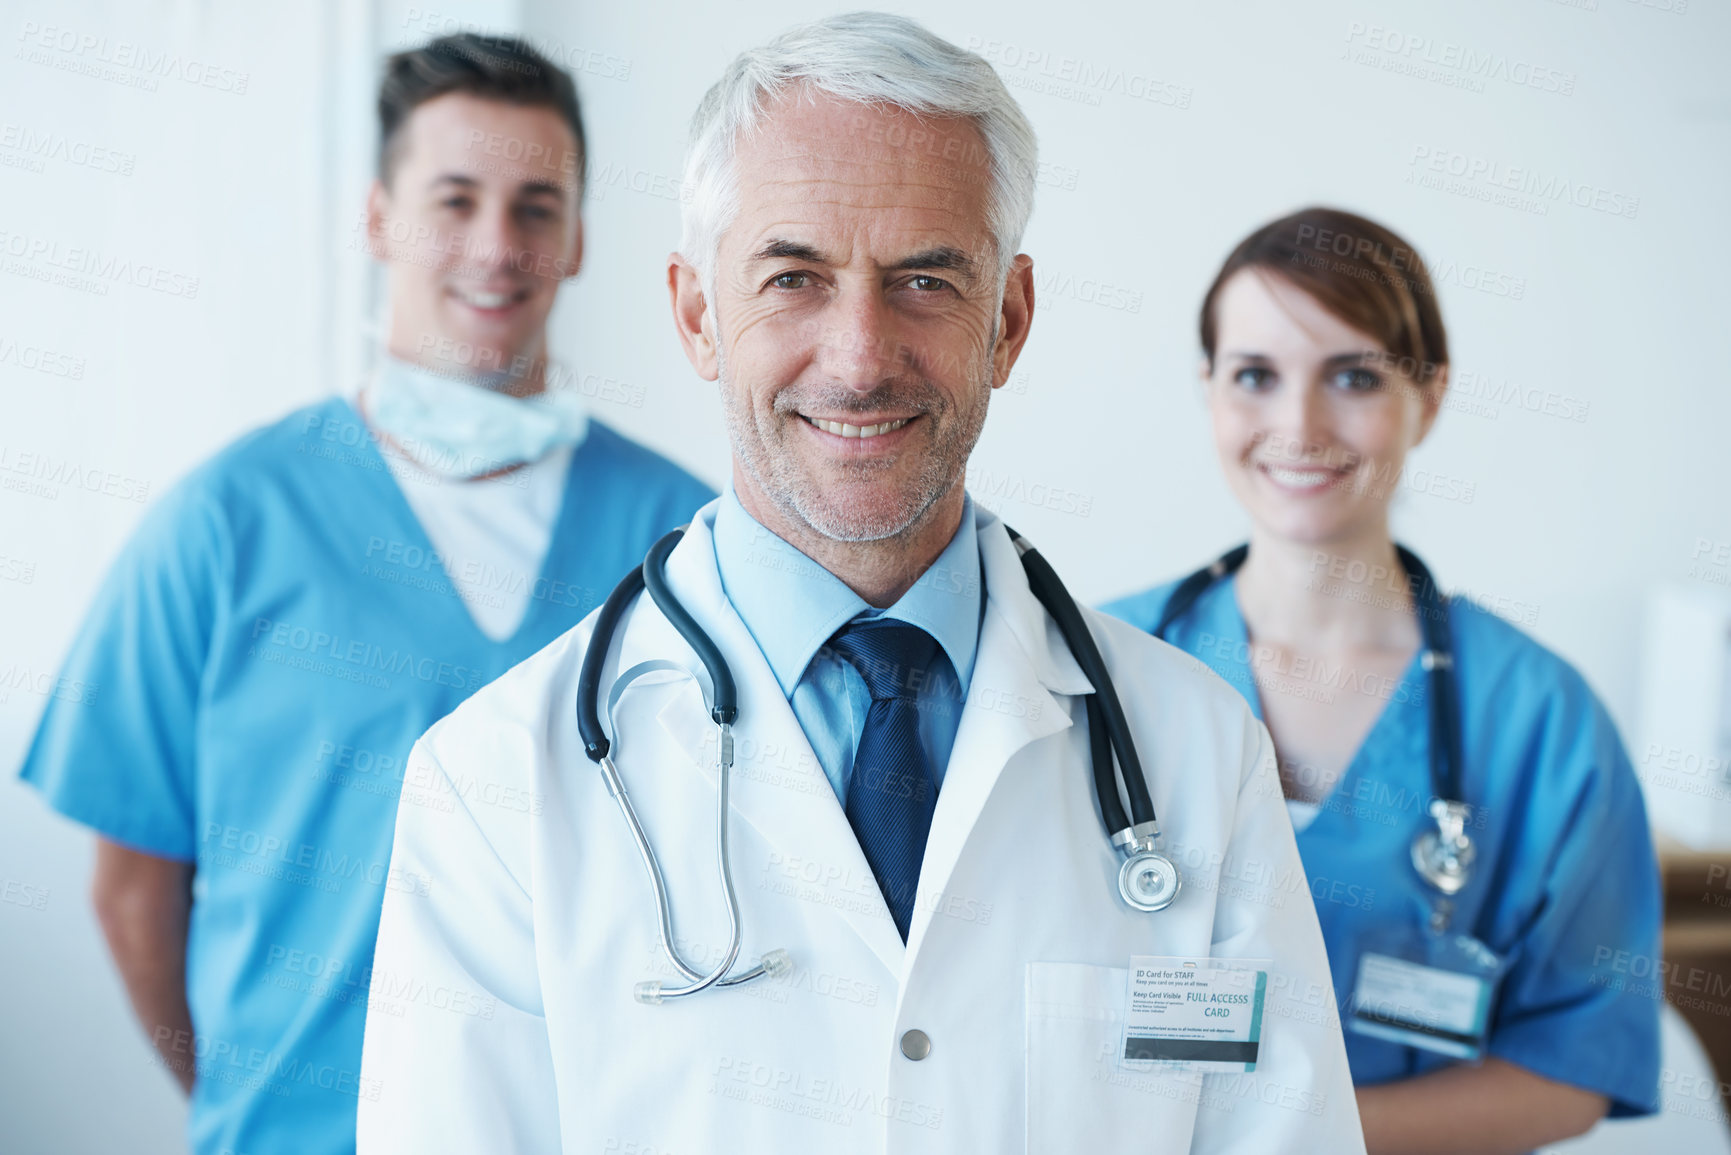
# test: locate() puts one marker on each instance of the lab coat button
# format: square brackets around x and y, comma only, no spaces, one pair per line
[916,1044]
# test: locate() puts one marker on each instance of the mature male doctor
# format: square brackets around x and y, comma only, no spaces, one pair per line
[296,612]
[912,818]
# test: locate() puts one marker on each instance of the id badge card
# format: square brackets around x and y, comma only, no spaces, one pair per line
[1195,1014]
[1426,990]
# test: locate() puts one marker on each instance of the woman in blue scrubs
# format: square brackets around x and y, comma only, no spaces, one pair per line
[1495,1017]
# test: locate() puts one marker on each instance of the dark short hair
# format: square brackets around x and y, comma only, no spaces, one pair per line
[1364,273]
[499,68]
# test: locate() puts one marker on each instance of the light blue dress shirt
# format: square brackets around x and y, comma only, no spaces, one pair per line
[793,606]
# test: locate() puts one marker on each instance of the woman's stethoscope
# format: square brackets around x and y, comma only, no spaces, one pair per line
[1147,880]
[1443,857]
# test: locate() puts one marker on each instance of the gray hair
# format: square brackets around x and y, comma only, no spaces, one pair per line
[871,58]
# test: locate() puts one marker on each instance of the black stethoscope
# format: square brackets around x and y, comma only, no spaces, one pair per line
[1443,857]
[1147,880]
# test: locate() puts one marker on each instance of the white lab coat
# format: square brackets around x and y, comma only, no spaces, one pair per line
[501,1016]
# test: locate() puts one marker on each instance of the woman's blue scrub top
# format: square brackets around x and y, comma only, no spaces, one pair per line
[1566,879]
[267,648]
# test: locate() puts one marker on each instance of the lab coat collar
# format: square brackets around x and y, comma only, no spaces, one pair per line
[1035,632]
[1022,663]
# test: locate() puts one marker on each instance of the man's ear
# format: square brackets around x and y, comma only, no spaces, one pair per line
[378,220]
[574,255]
[1015,318]
[693,318]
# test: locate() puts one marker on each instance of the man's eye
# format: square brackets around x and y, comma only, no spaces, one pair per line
[790,281]
[927,284]
[455,203]
[536,213]
[1253,377]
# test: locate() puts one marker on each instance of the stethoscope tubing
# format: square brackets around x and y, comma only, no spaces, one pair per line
[1135,833]
[1105,711]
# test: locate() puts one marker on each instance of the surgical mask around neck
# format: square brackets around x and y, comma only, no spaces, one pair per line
[457,429]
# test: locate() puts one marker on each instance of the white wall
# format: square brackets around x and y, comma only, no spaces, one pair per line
[1257,108]
[1572,520]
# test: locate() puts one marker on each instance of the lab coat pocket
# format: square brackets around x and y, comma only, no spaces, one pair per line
[1079,1095]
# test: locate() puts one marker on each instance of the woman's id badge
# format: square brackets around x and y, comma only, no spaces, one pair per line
[1426,990]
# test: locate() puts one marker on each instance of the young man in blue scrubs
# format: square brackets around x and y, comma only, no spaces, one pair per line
[292,616]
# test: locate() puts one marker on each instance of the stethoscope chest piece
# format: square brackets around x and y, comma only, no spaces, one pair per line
[1444,857]
[1147,880]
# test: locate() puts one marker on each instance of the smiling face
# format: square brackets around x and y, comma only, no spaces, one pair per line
[477,243]
[857,321]
[1312,422]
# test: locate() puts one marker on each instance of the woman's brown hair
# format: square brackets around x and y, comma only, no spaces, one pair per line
[1366,275]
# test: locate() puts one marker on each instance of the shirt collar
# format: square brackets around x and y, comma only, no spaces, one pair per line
[792,605]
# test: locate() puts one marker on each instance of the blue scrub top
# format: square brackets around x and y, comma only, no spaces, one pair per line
[1566,877]
[259,661]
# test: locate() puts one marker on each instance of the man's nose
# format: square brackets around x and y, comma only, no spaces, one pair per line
[493,241]
[858,342]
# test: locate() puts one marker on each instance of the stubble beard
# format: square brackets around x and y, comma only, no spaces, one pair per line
[826,509]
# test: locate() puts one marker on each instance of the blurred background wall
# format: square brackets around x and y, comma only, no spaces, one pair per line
[1562,164]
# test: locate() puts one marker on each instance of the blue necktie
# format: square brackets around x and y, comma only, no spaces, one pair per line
[892,793]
